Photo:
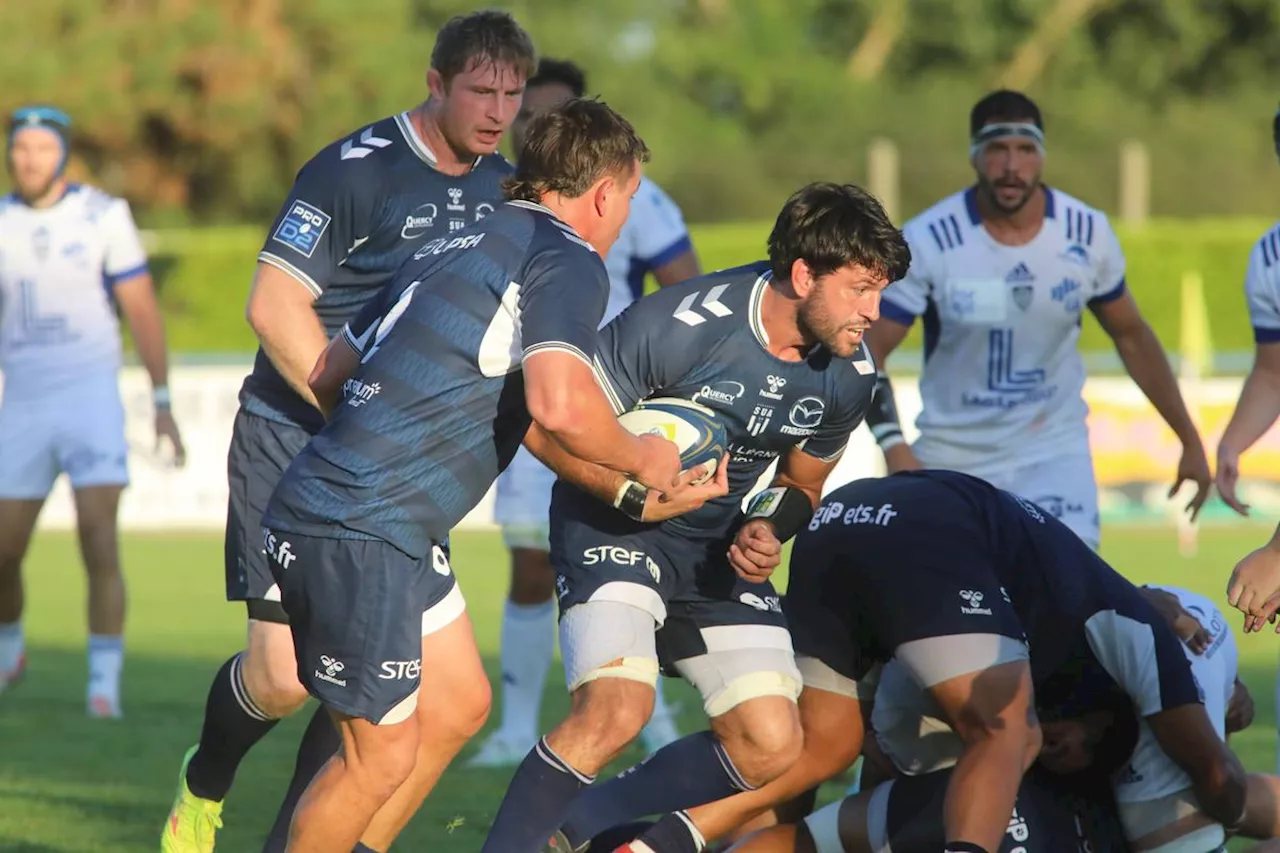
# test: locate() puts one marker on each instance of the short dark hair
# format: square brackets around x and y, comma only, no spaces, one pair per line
[566,73]
[488,35]
[570,147]
[1004,105]
[829,225]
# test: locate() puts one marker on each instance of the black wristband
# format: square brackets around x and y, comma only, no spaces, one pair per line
[787,508]
[963,847]
[631,499]
[882,416]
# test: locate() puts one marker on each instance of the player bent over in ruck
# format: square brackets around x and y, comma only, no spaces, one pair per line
[992,608]
[775,350]
[428,393]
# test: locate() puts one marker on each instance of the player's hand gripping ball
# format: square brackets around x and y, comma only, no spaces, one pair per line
[695,430]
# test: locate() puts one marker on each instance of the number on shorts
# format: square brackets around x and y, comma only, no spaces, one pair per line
[439,561]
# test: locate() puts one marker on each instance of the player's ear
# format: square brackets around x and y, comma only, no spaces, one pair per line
[602,194]
[435,83]
[802,278]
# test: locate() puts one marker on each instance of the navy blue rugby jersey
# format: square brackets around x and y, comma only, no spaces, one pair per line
[703,340]
[358,210]
[436,408]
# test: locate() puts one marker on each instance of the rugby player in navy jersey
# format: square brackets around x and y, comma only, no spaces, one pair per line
[429,391]
[358,209]
[775,350]
[990,608]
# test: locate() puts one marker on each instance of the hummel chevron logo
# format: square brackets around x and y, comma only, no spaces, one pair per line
[351,151]
[686,314]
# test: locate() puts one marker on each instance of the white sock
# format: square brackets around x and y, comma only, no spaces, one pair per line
[12,645]
[528,643]
[106,659]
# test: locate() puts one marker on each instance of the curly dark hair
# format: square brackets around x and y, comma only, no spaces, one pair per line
[829,226]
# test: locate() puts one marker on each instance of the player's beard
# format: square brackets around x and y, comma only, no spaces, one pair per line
[992,190]
[31,194]
[817,324]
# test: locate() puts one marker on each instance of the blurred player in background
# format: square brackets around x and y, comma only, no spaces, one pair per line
[429,392]
[1001,274]
[653,240]
[1259,403]
[60,243]
[357,211]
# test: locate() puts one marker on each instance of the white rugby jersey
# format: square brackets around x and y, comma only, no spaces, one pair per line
[1262,287]
[652,236]
[1002,374]
[57,268]
[1151,774]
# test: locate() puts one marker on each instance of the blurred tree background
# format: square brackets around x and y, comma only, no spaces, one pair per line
[200,111]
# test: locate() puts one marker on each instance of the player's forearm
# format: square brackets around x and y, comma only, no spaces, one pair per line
[1256,410]
[1146,363]
[596,480]
[1222,788]
[984,787]
[147,328]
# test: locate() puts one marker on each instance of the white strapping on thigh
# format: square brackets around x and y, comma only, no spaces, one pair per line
[596,633]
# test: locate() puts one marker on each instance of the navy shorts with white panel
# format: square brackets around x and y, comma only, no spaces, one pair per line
[946,574]
[434,412]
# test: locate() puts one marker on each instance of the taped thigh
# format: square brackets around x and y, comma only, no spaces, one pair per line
[728,675]
[596,633]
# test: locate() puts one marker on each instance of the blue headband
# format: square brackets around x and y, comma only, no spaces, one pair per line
[48,118]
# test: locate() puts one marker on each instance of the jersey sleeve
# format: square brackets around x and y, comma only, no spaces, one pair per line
[124,257]
[1261,283]
[906,299]
[1109,265]
[829,442]
[659,233]
[329,212]
[562,300]
[1144,657]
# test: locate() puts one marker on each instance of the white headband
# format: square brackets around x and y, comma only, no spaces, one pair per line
[990,132]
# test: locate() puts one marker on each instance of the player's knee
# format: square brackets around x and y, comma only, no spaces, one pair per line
[383,756]
[617,702]
[270,671]
[763,737]
[464,715]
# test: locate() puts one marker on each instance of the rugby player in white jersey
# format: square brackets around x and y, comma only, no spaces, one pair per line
[1001,274]
[69,257]
[653,240]
[1256,410]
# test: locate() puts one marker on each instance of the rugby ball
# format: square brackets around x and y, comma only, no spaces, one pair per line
[694,429]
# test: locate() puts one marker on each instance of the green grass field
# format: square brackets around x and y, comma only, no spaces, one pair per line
[71,785]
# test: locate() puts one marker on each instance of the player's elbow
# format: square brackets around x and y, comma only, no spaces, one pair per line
[557,410]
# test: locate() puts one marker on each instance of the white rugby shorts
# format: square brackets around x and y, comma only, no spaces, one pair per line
[78,430]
